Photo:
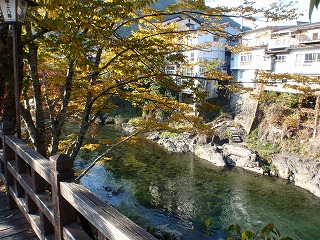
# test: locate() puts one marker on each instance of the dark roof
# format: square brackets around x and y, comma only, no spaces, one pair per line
[297,27]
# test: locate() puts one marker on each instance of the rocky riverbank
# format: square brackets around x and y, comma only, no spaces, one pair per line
[305,173]
[211,149]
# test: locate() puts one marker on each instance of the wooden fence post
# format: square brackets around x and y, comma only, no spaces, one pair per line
[63,212]
[8,154]
[1,147]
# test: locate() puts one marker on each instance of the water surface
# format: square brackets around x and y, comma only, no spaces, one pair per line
[154,187]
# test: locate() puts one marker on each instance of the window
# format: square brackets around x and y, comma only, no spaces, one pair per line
[308,57]
[190,73]
[246,57]
[178,81]
[171,69]
[315,36]
[187,71]
[215,39]
[299,58]
[191,26]
[316,57]
[281,58]
[192,57]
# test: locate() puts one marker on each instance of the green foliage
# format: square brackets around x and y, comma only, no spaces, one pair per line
[313,4]
[268,232]
[268,97]
[264,149]
[84,53]
[123,108]
[134,121]
[215,107]
[207,223]
[167,134]
[288,99]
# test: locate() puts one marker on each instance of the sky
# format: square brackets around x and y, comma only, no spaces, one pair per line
[303,6]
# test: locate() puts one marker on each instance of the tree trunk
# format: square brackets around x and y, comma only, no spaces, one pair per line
[85,123]
[84,126]
[58,123]
[39,135]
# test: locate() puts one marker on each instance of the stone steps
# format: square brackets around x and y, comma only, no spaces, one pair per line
[235,135]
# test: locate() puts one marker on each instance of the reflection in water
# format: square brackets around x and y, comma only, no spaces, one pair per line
[157,188]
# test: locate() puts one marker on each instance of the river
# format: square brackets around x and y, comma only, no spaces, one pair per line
[154,187]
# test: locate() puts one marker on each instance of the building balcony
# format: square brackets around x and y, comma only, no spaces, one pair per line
[308,38]
[245,64]
[305,64]
[282,42]
[263,65]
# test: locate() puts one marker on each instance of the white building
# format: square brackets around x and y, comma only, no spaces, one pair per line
[287,49]
[215,52]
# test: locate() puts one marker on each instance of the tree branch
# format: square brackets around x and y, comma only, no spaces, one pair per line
[106,152]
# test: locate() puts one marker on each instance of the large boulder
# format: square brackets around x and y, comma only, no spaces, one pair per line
[209,153]
[153,136]
[165,232]
[240,156]
[175,144]
[128,127]
[201,139]
[304,172]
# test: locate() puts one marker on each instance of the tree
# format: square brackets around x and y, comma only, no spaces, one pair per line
[80,54]
[313,4]
[306,86]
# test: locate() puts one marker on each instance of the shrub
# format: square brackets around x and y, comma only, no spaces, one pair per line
[288,99]
[168,134]
[268,232]
[268,97]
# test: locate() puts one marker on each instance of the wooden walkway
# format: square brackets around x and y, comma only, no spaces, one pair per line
[13,225]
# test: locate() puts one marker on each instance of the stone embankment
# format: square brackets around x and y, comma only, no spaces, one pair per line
[304,172]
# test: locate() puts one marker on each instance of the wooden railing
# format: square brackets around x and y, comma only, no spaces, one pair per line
[55,206]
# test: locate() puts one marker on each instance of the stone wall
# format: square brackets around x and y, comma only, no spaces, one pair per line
[244,107]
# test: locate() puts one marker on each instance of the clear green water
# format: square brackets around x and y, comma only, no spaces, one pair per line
[155,187]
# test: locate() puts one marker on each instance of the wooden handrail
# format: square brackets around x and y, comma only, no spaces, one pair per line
[45,191]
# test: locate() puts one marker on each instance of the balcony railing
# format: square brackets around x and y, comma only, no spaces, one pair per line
[282,42]
[245,64]
[308,37]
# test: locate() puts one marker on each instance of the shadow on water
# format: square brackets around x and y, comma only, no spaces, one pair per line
[155,188]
